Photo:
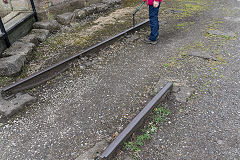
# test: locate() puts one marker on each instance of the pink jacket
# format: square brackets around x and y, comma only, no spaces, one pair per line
[150,2]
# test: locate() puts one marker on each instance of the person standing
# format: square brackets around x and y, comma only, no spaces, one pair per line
[154,23]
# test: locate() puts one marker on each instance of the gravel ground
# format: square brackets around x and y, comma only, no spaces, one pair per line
[208,126]
[84,106]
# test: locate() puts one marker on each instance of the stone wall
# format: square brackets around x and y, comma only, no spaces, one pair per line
[50,8]
[44,7]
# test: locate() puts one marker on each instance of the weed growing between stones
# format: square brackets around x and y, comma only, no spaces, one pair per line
[159,116]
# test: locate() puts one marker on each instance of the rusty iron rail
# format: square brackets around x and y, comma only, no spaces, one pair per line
[52,71]
[135,123]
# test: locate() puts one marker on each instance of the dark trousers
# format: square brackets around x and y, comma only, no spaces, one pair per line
[154,24]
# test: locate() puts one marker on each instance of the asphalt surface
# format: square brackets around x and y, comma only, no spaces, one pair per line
[84,106]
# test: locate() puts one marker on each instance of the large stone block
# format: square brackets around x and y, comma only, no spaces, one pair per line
[9,108]
[57,7]
[19,48]
[65,18]
[102,7]
[51,25]
[90,10]
[30,38]
[112,2]
[80,13]
[90,2]
[11,65]
[41,34]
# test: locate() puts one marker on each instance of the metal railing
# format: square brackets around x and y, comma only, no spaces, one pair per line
[34,10]
[5,34]
[3,30]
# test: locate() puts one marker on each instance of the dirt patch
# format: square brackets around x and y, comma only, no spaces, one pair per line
[100,24]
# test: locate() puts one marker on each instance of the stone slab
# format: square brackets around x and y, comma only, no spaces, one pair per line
[19,48]
[91,9]
[51,25]
[30,38]
[41,34]
[11,65]
[102,7]
[112,2]
[79,13]
[9,108]
[65,18]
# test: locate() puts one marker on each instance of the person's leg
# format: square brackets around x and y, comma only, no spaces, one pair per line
[154,24]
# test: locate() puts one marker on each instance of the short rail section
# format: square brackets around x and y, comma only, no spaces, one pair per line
[135,123]
[52,71]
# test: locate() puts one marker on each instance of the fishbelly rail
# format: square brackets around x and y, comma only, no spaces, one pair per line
[52,71]
[135,123]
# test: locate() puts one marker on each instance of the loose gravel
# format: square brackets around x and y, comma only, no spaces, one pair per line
[88,104]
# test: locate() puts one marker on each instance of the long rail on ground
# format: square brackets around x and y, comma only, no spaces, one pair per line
[52,71]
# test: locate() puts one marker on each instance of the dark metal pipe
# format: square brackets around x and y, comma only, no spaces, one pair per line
[135,123]
[34,10]
[5,35]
